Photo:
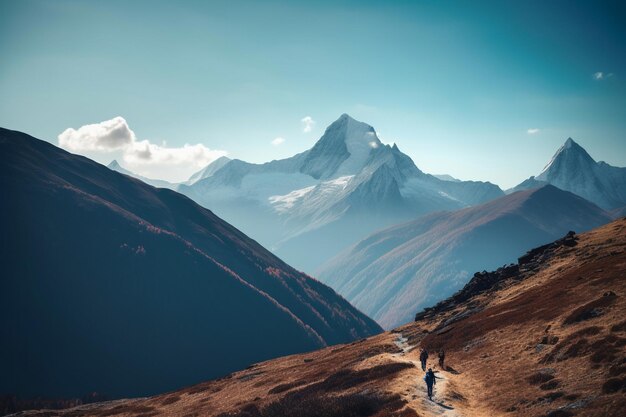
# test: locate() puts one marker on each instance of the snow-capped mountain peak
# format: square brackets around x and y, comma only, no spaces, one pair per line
[342,150]
[573,169]
[570,157]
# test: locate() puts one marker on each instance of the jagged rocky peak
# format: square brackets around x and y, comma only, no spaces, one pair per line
[353,133]
[570,146]
[573,169]
[378,189]
[342,150]
[401,165]
[570,156]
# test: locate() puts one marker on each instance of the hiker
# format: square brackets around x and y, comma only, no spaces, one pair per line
[442,357]
[430,380]
[423,358]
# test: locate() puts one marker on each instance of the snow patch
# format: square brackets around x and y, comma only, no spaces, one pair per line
[262,186]
[287,202]
[448,196]
[283,203]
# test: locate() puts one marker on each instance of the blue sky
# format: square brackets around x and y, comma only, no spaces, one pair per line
[457,85]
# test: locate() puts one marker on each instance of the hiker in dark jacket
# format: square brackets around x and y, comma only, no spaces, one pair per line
[442,357]
[423,358]
[430,380]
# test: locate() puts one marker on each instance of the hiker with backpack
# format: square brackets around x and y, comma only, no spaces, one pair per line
[430,380]
[423,358]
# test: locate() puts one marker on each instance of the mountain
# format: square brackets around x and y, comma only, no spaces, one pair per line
[573,169]
[393,271]
[544,337]
[205,172]
[115,166]
[309,206]
[208,170]
[446,177]
[110,285]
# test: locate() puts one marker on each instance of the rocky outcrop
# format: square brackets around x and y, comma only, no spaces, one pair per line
[535,256]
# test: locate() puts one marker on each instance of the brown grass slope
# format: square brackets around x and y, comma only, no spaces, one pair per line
[546,339]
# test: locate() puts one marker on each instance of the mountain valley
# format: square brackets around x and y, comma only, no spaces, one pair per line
[544,337]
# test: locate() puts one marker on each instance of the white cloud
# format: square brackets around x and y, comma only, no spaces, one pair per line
[106,136]
[307,124]
[532,131]
[602,75]
[278,141]
[114,137]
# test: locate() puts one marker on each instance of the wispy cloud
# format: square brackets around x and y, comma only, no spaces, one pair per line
[278,141]
[602,75]
[307,124]
[532,131]
[142,156]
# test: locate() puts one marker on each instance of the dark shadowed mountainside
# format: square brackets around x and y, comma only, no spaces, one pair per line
[113,286]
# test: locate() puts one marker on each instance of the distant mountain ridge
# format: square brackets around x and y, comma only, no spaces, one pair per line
[446,177]
[309,206]
[414,264]
[208,170]
[115,166]
[573,169]
[112,286]
[205,172]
